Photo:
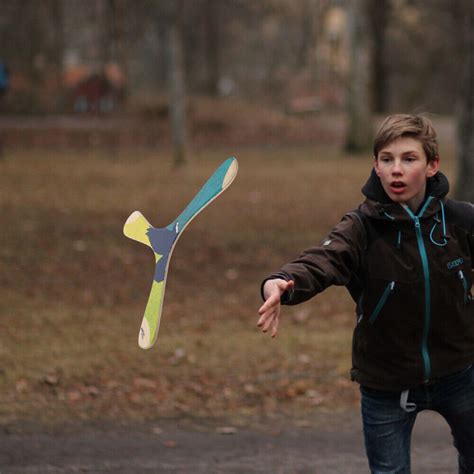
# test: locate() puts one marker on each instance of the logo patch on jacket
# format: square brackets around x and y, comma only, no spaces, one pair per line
[455,263]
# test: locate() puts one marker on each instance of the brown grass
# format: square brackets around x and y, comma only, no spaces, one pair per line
[73,288]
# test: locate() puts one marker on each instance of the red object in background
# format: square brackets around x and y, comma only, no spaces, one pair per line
[91,92]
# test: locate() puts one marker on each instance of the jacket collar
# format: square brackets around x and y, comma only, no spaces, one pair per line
[379,205]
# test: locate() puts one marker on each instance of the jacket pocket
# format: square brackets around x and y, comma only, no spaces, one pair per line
[381,303]
[462,278]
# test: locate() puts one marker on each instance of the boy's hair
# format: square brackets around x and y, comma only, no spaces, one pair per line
[403,125]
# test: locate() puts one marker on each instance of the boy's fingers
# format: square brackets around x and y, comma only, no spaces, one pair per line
[266,320]
[275,326]
[268,323]
[271,301]
[285,285]
[265,317]
[272,322]
[262,319]
[264,311]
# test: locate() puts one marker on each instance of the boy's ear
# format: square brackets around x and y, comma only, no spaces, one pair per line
[376,166]
[433,167]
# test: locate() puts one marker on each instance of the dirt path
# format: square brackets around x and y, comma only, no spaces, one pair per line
[326,445]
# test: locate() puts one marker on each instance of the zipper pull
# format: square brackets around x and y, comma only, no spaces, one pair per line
[417,222]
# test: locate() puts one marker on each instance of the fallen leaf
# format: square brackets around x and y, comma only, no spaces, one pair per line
[232,274]
[170,443]
[304,359]
[92,391]
[249,388]
[315,397]
[142,382]
[226,430]
[21,385]
[51,379]
[74,395]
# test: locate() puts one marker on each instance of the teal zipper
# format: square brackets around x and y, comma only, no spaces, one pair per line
[426,274]
[464,284]
[381,302]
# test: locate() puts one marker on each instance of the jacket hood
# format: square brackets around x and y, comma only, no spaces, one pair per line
[378,204]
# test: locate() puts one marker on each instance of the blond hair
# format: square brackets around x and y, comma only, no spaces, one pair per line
[403,125]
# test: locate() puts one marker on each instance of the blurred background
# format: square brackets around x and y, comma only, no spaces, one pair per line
[107,106]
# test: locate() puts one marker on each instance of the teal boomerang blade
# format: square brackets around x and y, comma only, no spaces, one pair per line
[163,240]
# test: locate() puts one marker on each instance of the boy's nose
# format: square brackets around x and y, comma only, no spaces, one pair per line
[396,168]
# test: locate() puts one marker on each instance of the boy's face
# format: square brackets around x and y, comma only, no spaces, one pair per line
[403,169]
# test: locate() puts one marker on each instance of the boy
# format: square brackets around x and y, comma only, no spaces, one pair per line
[406,256]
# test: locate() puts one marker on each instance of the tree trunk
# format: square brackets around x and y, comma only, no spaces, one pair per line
[308,11]
[102,35]
[465,183]
[379,13]
[177,92]
[212,46]
[359,104]
[57,17]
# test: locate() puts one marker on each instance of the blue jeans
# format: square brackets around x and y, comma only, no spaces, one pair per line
[388,427]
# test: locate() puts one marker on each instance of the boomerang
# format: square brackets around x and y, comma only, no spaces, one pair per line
[163,240]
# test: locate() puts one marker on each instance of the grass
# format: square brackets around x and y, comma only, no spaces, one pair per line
[73,288]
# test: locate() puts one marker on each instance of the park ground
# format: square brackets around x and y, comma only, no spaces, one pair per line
[72,295]
[323,444]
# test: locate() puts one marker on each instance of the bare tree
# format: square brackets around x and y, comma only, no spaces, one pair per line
[379,16]
[32,44]
[212,8]
[359,103]
[465,183]
[177,89]
[308,9]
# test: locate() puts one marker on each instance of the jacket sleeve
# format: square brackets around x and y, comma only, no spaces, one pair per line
[332,263]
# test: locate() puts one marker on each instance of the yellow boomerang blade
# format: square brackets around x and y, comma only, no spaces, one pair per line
[136,228]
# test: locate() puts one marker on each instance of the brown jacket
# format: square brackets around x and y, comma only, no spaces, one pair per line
[410,275]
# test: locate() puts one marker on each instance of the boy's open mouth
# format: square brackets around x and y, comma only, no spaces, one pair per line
[397,186]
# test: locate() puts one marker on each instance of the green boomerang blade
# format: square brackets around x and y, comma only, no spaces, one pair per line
[163,240]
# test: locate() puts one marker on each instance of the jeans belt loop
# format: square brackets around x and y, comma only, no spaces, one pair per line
[405,404]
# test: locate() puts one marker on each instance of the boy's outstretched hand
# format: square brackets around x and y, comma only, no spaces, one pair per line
[270,310]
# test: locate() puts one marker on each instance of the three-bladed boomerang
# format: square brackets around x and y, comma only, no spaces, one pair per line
[162,242]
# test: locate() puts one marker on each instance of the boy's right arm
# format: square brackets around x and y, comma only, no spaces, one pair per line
[334,262]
